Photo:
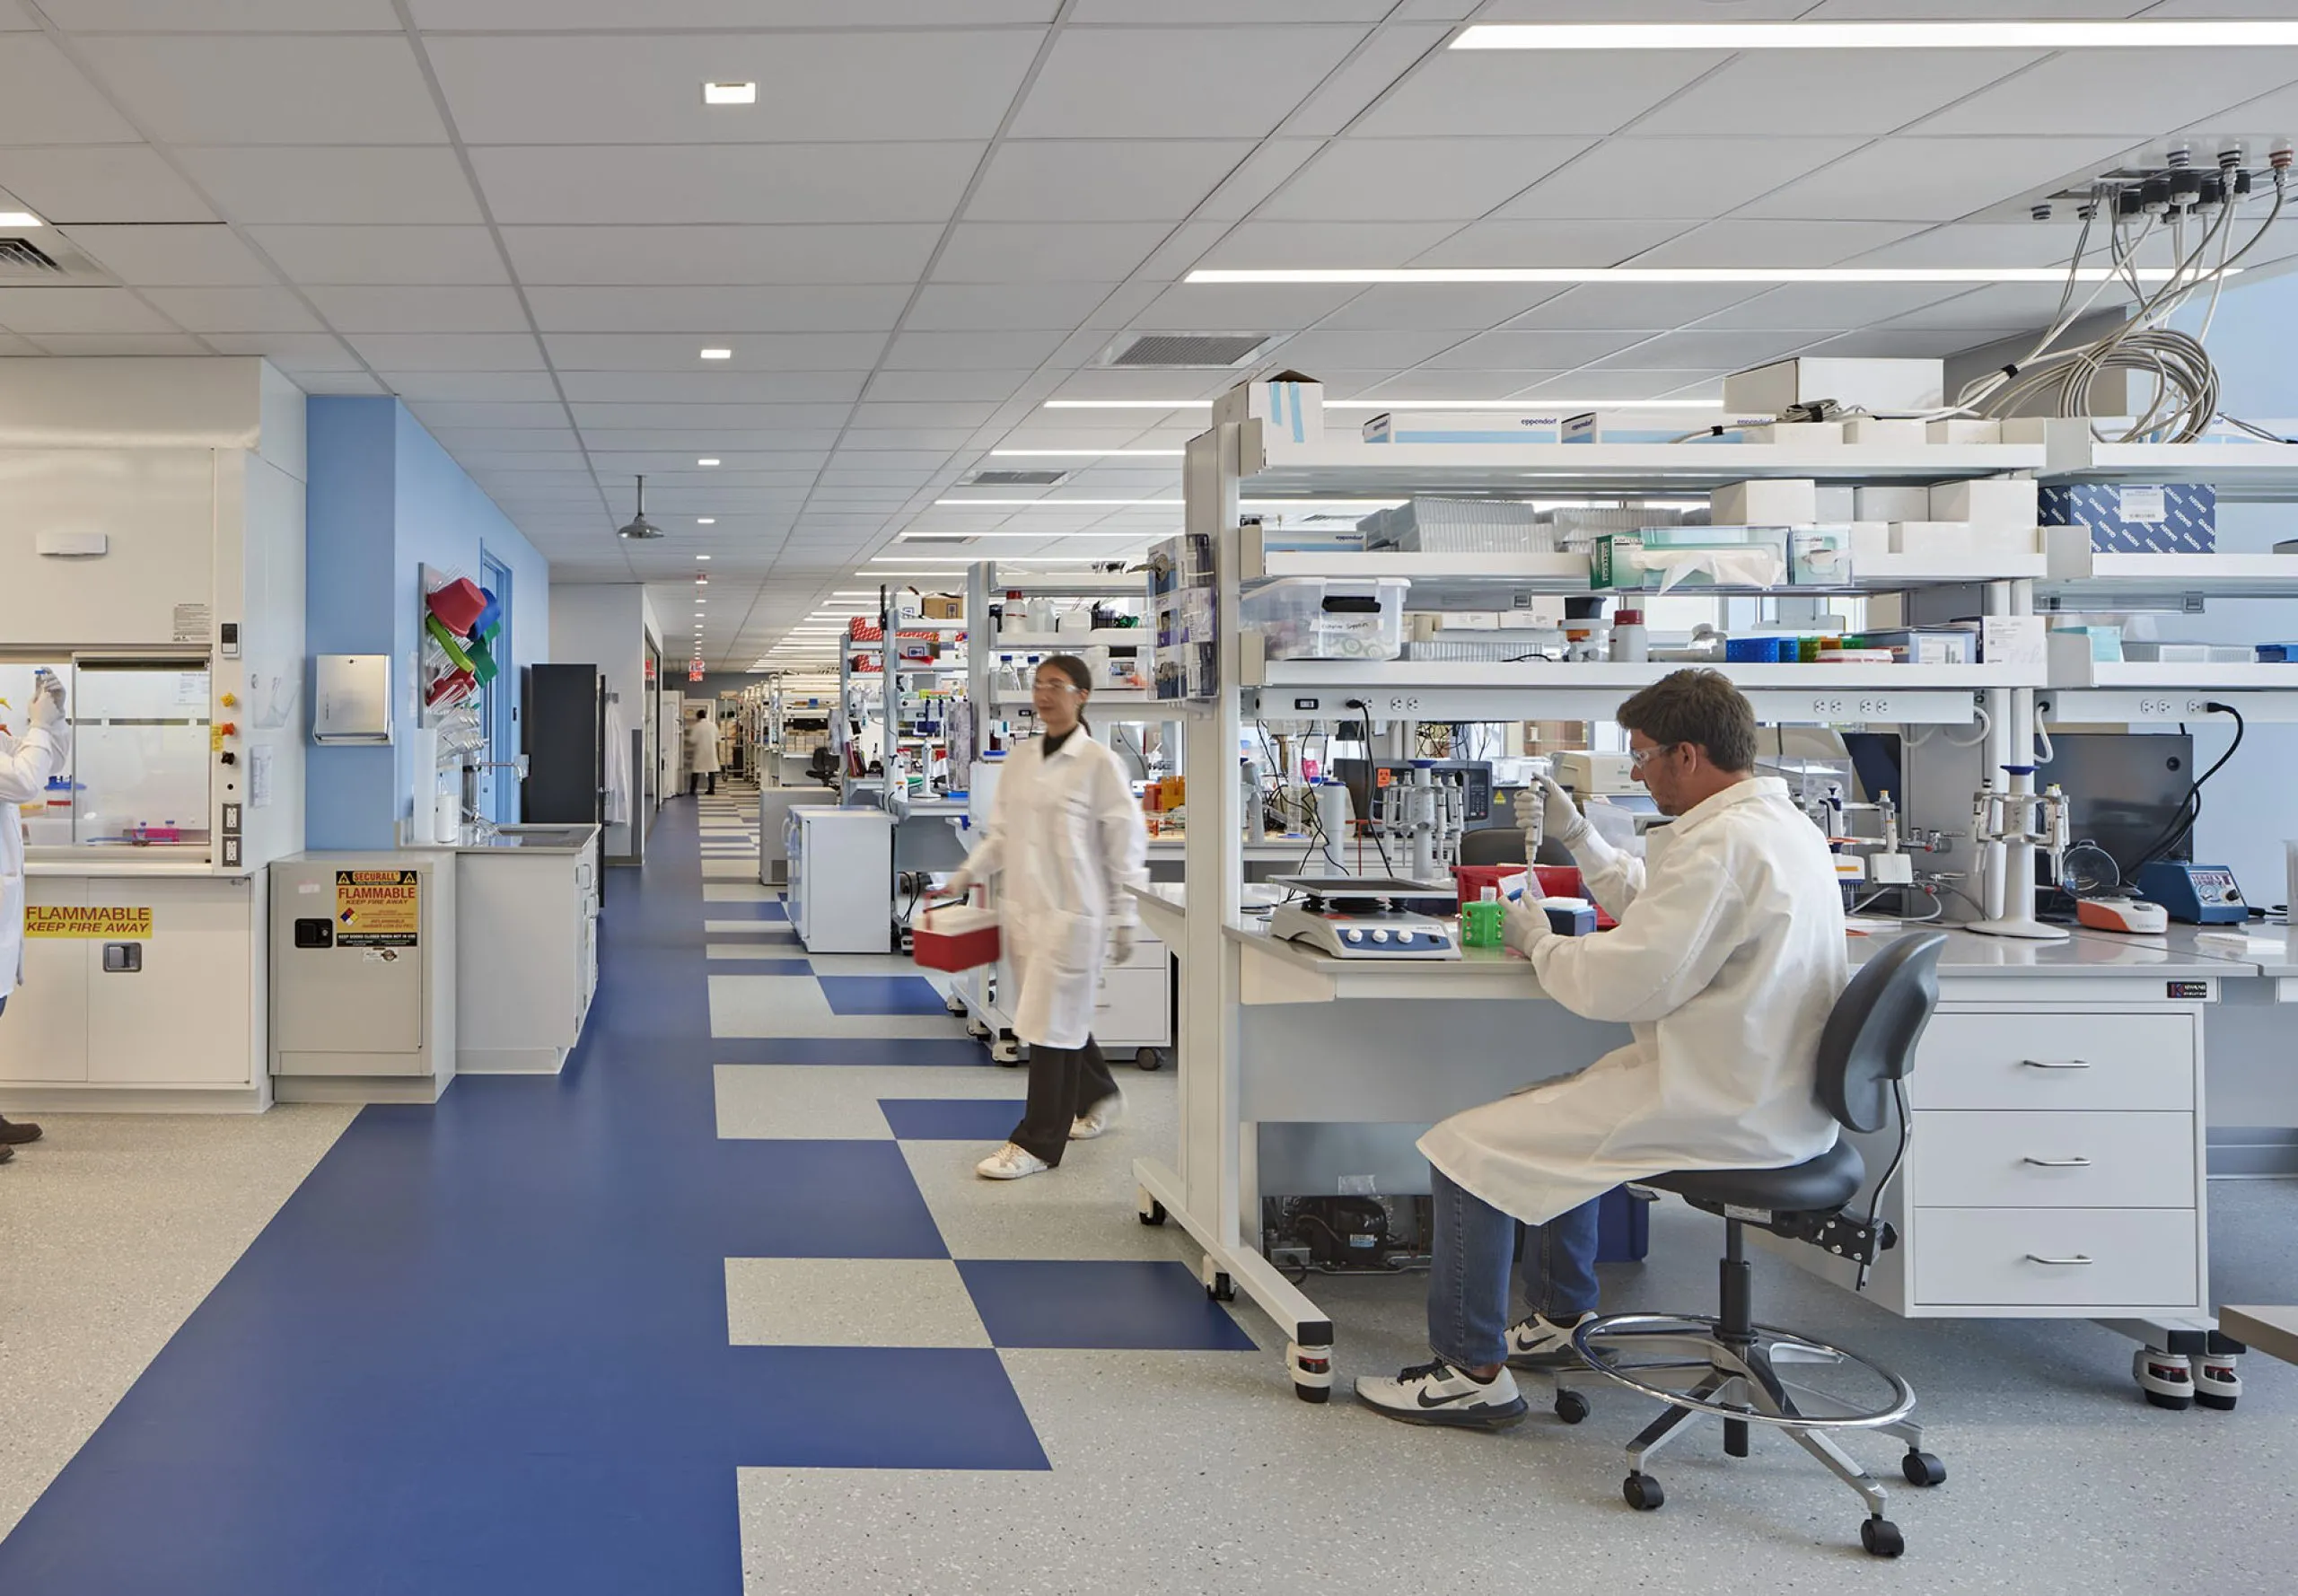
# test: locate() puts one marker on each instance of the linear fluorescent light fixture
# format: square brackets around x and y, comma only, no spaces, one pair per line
[1880,36]
[1059,503]
[1512,404]
[730,93]
[1038,537]
[20,219]
[1424,276]
[1090,453]
[706,463]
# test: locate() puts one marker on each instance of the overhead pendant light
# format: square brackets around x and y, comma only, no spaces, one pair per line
[641,530]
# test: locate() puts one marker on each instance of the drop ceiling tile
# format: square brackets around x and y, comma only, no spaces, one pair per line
[475,460]
[1602,387]
[1489,94]
[424,309]
[1831,304]
[1548,244]
[941,441]
[1179,82]
[707,387]
[1934,179]
[1185,388]
[878,415]
[1737,242]
[2001,304]
[552,16]
[1631,177]
[383,255]
[298,354]
[528,386]
[473,416]
[446,352]
[716,314]
[1428,384]
[1829,91]
[1416,179]
[1260,174]
[275,89]
[1536,348]
[238,16]
[652,258]
[764,419]
[2124,93]
[44,98]
[1261,245]
[735,448]
[1905,342]
[482,441]
[702,184]
[112,344]
[1102,180]
[1007,252]
[398,186]
[236,310]
[347,384]
[1736,349]
[38,311]
[1460,307]
[954,387]
[675,353]
[1240,307]
[203,255]
[1657,306]
[1892,10]
[983,307]
[1319,350]
[124,183]
[1985,243]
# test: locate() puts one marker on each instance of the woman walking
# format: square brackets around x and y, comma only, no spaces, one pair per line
[1066,836]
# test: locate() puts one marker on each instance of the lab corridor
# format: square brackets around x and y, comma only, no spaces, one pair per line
[723,1308]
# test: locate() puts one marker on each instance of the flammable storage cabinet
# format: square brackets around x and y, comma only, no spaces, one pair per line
[363,976]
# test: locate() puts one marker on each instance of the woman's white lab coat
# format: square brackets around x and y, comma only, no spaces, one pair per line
[702,748]
[1066,839]
[24,771]
[1728,957]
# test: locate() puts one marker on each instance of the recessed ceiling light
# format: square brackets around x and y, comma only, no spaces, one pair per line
[702,557]
[717,355]
[20,219]
[1421,276]
[705,521]
[706,463]
[1878,36]
[730,93]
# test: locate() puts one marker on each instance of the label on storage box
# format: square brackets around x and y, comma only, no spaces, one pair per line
[2144,504]
[378,908]
[105,924]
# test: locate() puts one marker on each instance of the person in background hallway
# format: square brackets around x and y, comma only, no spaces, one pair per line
[24,772]
[1066,839]
[701,751]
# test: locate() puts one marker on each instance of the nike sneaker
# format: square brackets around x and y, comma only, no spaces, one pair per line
[1438,1393]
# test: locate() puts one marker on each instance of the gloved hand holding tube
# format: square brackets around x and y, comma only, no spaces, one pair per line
[1120,944]
[1524,927]
[47,705]
[1560,820]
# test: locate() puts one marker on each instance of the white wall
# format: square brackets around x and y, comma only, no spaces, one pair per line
[606,625]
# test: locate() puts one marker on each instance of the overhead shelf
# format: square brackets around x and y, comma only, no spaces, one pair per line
[2254,471]
[2074,564]
[1006,696]
[1528,676]
[2149,675]
[1101,637]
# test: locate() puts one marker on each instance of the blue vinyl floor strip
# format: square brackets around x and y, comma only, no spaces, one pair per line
[860,1051]
[1097,1303]
[483,1347]
[882,995]
[952,1119]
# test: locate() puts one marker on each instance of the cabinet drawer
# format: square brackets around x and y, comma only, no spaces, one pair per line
[1148,953]
[2105,1258]
[1130,988]
[2054,1160]
[2056,1061]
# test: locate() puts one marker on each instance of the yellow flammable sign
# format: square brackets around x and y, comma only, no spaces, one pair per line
[107,923]
[378,908]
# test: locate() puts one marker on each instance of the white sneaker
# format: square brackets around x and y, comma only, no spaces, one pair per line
[1540,1343]
[1098,1118]
[1009,1162]
[1439,1394]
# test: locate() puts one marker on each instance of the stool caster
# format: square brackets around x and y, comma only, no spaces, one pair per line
[1881,1538]
[1643,1492]
[2165,1377]
[1921,1468]
[1311,1369]
[1571,1406]
[2216,1384]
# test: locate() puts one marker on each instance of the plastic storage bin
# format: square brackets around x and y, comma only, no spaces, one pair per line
[1318,617]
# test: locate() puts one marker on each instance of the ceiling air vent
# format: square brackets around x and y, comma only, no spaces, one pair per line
[1015,479]
[948,539]
[1189,351]
[22,258]
[51,260]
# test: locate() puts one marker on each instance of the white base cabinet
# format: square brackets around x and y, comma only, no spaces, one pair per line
[527,956]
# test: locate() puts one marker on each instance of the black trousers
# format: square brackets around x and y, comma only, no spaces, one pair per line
[694,783]
[1064,1082]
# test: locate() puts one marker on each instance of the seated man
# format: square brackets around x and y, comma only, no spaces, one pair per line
[1728,956]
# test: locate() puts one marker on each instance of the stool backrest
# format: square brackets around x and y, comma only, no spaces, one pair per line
[1871,1036]
[1496,845]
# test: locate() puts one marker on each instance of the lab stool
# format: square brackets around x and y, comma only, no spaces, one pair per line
[1730,1367]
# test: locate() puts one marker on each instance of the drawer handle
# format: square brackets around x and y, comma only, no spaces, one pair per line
[2056,1064]
[2060,1164]
[2077,1261]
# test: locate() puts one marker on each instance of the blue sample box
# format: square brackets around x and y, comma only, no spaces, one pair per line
[2131,518]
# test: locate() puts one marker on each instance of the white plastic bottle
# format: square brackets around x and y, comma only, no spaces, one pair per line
[1631,643]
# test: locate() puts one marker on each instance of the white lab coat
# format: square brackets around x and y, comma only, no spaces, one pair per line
[1728,957]
[702,748]
[24,772]
[1066,841]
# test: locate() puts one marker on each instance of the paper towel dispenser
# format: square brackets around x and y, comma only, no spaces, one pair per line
[353,701]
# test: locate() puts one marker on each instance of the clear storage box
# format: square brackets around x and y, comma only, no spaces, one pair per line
[1320,617]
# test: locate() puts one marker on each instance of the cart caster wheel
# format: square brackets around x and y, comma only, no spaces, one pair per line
[1150,1059]
[2217,1383]
[1154,1213]
[1312,1369]
[978,1031]
[1643,1492]
[1221,1288]
[2165,1377]
[1313,1393]
[1921,1468]
[954,1005]
[1006,1051]
[1571,1406]
[1881,1538]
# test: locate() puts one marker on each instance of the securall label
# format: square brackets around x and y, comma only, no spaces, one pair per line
[107,923]
[378,908]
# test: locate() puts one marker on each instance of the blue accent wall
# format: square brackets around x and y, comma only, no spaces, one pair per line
[385,501]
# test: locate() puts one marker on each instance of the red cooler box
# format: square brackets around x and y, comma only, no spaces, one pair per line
[951,940]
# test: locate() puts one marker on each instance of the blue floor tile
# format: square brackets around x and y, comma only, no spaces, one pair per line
[760,967]
[953,1051]
[882,995]
[750,910]
[1135,1305]
[952,1118]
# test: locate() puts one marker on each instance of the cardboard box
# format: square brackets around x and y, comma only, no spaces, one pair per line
[1884,431]
[1289,407]
[1991,503]
[1784,500]
[1890,504]
[2012,640]
[2130,518]
[1654,426]
[1838,502]
[941,606]
[1464,426]
[1868,540]
[1880,386]
[1967,430]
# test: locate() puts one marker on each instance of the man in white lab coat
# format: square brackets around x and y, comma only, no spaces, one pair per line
[24,772]
[1727,959]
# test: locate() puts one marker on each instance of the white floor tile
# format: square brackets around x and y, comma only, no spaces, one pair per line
[794,1006]
[849,1302]
[839,1103]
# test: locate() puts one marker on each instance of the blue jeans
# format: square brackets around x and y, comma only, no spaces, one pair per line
[1467,1281]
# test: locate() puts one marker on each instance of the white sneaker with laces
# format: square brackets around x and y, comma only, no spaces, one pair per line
[1437,1393]
[1098,1118]
[1011,1162]
[1540,1343]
